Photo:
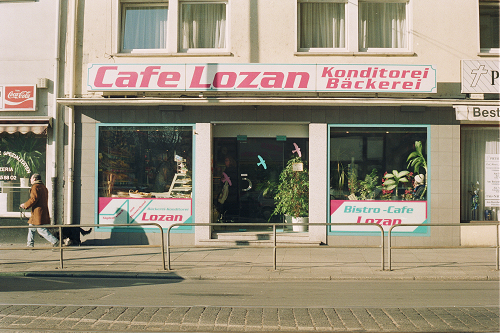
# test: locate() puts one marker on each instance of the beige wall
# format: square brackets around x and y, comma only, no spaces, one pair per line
[262,31]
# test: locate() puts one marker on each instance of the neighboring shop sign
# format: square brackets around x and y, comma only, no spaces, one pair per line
[382,212]
[492,180]
[165,212]
[17,98]
[478,112]
[262,77]
[481,76]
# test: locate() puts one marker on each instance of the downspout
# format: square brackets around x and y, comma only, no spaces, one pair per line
[56,117]
[73,23]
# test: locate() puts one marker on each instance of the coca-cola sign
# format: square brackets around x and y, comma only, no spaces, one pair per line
[18,98]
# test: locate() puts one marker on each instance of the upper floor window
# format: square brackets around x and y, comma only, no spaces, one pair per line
[489,30]
[321,25]
[202,25]
[353,25]
[144,27]
[382,25]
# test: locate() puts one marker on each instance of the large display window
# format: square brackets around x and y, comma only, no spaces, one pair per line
[480,167]
[21,155]
[145,174]
[378,175]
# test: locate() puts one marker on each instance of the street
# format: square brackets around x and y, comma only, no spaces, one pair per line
[44,303]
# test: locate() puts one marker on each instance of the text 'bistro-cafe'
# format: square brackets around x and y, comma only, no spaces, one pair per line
[239,143]
[23,143]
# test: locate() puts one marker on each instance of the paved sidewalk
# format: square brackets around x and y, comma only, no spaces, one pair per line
[321,263]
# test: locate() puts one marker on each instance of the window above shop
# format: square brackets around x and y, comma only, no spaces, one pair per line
[357,26]
[171,27]
[489,28]
[144,27]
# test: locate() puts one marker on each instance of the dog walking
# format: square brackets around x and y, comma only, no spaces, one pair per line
[38,202]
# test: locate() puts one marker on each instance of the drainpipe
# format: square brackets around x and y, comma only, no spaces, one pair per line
[73,24]
[56,118]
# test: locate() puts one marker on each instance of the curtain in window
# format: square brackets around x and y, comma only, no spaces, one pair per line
[382,25]
[145,28]
[203,26]
[322,25]
[475,143]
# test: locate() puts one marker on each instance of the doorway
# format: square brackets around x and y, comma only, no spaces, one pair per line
[252,165]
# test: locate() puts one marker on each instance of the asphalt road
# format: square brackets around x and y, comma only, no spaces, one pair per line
[166,292]
[142,305]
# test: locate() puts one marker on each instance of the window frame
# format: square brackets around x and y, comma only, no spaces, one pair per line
[352,31]
[123,5]
[201,50]
[484,50]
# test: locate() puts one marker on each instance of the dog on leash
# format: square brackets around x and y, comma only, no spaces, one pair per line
[71,236]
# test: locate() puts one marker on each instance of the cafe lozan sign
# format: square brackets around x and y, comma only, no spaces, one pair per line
[17,98]
[262,77]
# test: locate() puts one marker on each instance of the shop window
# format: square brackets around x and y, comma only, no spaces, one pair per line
[378,163]
[144,27]
[330,26]
[21,155]
[202,26]
[480,167]
[489,28]
[145,161]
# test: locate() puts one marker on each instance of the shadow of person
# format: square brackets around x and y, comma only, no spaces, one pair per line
[119,235]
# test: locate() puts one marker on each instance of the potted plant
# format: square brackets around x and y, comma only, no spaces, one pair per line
[417,160]
[392,180]
[368,186]
[292,194]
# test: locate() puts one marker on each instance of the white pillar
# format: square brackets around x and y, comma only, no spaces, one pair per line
[203,180]
[318,181]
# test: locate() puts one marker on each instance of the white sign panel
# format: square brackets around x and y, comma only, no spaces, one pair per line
[481,76]
[164,212]
[382,212]
[492,180]
[478,113]
[262,77]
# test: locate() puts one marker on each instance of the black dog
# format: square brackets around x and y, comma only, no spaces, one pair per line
[71,236]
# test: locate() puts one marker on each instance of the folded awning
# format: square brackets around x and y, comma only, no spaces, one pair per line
[25,125]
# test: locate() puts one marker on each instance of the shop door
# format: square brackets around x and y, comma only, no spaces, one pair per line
[253,173]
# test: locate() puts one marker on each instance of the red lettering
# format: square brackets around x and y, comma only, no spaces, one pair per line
[195,82]
[99,78]
[370,84]
[407,85]
[146,75]
[168,76]
[327,71]
[127,81]
[231,79]
[416,74]
[384,85]
[275,80]
[247,81]
[304,79]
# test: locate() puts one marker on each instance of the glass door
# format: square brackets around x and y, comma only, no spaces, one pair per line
[252,166]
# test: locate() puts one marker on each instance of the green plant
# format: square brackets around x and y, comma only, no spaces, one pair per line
[393,179]
[292,192]
[352,179]
[417,160]
[24,154]
[368,186]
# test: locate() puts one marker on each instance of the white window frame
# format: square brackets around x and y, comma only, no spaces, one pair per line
[484,51]
[352,31]
[202,50]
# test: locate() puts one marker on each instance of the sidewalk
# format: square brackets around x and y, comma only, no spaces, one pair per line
[240,263]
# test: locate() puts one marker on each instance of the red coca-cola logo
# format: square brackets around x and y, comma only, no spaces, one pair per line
[20,97]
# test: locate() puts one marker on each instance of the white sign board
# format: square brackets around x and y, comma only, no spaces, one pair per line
[477,112]
[262,77]
[492,180]
[481,76]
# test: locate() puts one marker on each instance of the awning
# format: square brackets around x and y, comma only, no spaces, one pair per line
[25,125]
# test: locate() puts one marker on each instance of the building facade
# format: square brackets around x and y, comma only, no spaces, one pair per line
[29,84]
[187,111]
